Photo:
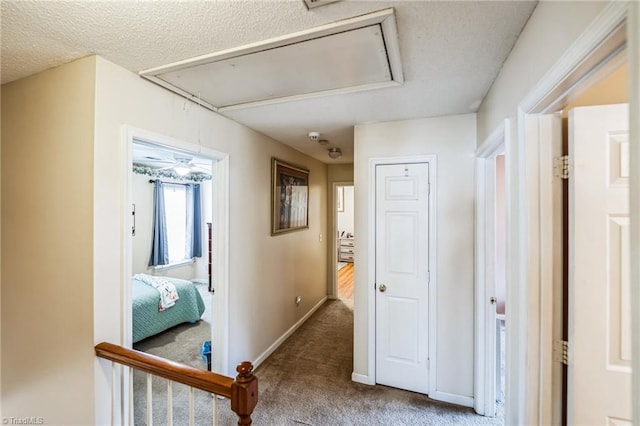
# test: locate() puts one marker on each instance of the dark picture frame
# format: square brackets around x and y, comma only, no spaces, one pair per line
[289,197]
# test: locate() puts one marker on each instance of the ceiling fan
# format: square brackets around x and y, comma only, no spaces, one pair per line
[181,164]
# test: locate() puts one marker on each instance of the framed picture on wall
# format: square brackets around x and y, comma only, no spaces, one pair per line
[289,197]
[340,198]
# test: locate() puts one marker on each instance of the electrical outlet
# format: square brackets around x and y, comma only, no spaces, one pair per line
[320,237]
[298,300]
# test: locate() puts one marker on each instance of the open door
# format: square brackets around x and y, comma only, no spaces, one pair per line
[599,372]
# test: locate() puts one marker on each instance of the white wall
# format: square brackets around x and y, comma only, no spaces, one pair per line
[345,217]
[552,28]
[47,247]
[266,273]
[142,192]
[453,141]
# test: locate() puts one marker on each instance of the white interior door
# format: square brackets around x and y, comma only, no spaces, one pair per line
[599,382]
[402,276]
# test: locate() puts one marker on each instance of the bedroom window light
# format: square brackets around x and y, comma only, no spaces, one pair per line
[176,214]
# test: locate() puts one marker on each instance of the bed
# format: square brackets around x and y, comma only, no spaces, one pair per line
[147,321]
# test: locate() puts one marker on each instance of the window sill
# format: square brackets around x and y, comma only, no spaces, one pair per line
[174,265]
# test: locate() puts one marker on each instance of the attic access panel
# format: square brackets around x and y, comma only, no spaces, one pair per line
[351,55]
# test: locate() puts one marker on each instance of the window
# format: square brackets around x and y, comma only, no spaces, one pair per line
[177,224]
[175,199]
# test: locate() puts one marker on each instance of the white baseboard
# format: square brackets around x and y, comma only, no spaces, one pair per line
[452,398]
[361,378]
[289,332]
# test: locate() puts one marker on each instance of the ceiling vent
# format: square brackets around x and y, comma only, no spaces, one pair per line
[351,55]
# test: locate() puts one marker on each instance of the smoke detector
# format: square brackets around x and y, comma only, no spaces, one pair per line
[314,136]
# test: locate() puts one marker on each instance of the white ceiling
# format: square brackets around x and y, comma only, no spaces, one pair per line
[451,52]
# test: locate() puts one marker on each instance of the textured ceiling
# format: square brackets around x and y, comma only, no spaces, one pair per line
[451,52]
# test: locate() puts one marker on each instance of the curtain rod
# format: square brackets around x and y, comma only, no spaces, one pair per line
[169,183]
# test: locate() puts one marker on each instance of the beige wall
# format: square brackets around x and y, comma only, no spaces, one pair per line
[610,90]
[64,142]
[453,141]
[47,252]
[266,273]
[339,173]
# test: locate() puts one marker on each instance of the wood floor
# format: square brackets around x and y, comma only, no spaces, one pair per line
[345,282]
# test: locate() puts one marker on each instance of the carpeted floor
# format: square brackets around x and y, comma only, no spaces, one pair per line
[307,381]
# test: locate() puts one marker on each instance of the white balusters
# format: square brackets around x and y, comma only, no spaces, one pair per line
[130,395]
[214,406]
[149,400]
[122,402]
[113,393]
[169,403]
[191,420]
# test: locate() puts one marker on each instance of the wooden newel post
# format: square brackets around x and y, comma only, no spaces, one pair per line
[244,393]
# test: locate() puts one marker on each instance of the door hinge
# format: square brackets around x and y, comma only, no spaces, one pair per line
[561,351]
[133,219]
[562,167]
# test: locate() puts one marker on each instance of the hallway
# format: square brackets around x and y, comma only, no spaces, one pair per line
[308,381]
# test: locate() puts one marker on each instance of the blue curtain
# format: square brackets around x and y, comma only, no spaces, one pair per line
[160,248]
[194,221]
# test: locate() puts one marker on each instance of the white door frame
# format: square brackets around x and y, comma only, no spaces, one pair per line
[633,37]
[371,267]
[485,335]
[334,238]
[220,242]
[529,337]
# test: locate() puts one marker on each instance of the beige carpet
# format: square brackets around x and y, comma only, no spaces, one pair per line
[307,381]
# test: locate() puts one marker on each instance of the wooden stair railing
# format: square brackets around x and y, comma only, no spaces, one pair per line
[242,392]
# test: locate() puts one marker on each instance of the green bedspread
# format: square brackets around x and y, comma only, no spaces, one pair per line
[147,321]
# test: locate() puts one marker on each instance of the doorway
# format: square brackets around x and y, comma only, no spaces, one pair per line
[490,294]
[404,263]
[592,319]
[186,192]
[214,208]
[546,166]
[346,242]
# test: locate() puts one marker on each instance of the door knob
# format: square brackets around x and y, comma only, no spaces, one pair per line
[382,288]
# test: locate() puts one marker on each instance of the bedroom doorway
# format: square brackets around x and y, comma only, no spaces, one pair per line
[176,331]
[345,245]
[201,262]
[490,286]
